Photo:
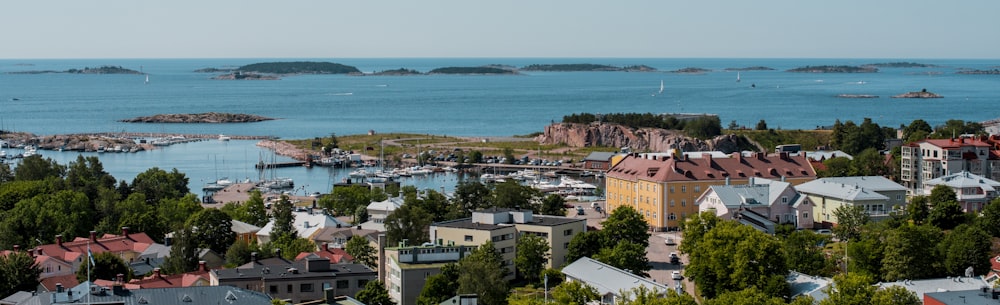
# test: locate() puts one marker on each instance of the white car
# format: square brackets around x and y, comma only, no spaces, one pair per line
[676,275]
[670,241]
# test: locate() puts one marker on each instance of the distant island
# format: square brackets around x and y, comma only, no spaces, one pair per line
[921,94]
[86,70]
[639,68]
[397,72]
[208,117]
[214,70]
[299,67]
[857,96]
[692,70]
[835,69]
[245,76]
[900,65]
[471,70]
[571,68]
[754,68]
[985,72]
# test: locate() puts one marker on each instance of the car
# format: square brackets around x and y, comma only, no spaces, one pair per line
[675,259]
[824,231]
[676,275]
[579,210]
[670,242]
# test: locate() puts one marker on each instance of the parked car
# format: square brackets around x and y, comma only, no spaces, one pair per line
[579,210]
[824,231]
[675,259]
[670,242]
[676,275]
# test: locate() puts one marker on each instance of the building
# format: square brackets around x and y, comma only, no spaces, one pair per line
[972,191]
[120,294]
[502,227]
[337,237]
[598,161]
[198,277]
[61,260]
[877,196]
[761,203]
[663,188]
[923,288]
[378,211]
[609,281]
[244,231]
[929,159]
[335,255]
[408,267]
[306,223]
[983,296]
[298,281]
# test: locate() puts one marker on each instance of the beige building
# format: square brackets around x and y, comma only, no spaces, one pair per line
[297,281]
[877,196]
[502,227]
[408,268]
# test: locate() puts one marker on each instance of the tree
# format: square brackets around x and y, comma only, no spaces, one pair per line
[869,163]
[850,220]
[212,229]
[574,293]
[508,155]
[867,253]
[174,212]
[836,167]
[849,289]
[346,200]
[36,168]
[284,220]
[911,253]
[511,194]
[895,295]
[374,293]
[482,273]
[990,220]
[645,296]
[804,253]
[107,266]
[87,175]
[704,127]
[441,286]
[6,174]
[254,211]
[408,223]
[941,193]
[762,125]
[362,251]
[695,228]
[584,244]
[183,253]
[946,215]
[625,224]
[964,247]
[18,272]
[732,257]
[158,184]
[626,255]
[553,204]
[916,131]
[238,254]
[918,211]
[472,195]
[532,253]
[750,296]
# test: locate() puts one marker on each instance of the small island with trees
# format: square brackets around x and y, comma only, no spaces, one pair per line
[918,94]
[834,69]
[900,65]
[397,72]
[753,68]
[299,67]
[86,70]
[208,117]
[979,72]
[472,70]
[692,70]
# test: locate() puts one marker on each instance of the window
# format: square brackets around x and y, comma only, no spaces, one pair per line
[567,232]
[899,197]
[805,215]
[565,245]
[306,288]
[697,189]
[683,202]
[784,199]
[343,284]
[654,215]
[671,216]
[671,188]
[289,288]
[273,289]
[468,238]
[684,188]
[671,202]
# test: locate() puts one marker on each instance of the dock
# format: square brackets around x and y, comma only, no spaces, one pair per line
[263,165]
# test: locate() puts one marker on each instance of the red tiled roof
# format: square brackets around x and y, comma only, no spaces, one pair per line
[68,281]
[665,169]
[956,143]
[71,251]
[335,255]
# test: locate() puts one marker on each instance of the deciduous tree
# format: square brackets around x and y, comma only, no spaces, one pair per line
[18,272]
[625,224]
[911,253]
[482,273]
[531,257]
[574,293]
[849,289]
[362,251]
[374,293]
[212,229]
[895,295]
[732,257]
[409,223]
[107,266]
[964,247]
[850,220]
[626,255]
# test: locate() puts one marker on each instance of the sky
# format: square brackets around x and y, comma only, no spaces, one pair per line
[37,29]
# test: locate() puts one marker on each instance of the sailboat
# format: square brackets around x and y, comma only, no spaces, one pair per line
[737,76]
[661,89]
[147,78]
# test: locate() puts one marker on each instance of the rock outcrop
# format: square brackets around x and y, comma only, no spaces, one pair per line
[208,117]
[642,139]
[918,94]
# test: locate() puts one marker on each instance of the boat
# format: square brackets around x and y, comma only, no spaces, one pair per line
[223,137]
[661,88]
[737,76]
[359,173]
[147,78]
[3,154]
[29,151]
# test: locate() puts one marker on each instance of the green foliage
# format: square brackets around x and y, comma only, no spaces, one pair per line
[625,255]
[569,67]
[732,257]
[18,272]
[87,175]
[917,210]
[508,154]
[470,70]
[695,227]
[362,251]
[895,295]
[835,69]
[472,195]
[36,168]
[238,253]
[867,253]
[916,131]
[804,253]
[849,289]
[107,266]
[574,293]
[374,293]
[158,185]
[408,222]
[553,204]
[212,229]
[6,174]
[432,202]
[625,224]
[252,211]
[954,128]
[44,216]
[966,246]
[482,273]
[584,244]
[440,287]
[946,215]
[703,128]
[911,253]
[644,296]
[284,220]
[510,195]
[990,220]
[346,200]
[941,193]
[762,125]
[14,191]
[183,253]
[531,257]
[173,213]
[290,248]
[853,139]
[299,67]
[870,163]
[554,276]
[750,296]
[850,220]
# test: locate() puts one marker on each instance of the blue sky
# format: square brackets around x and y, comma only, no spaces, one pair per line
[508,28]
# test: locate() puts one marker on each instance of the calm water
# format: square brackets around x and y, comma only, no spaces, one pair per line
[317,105]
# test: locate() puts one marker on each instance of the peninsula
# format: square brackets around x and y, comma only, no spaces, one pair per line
[208,117]
[834,69]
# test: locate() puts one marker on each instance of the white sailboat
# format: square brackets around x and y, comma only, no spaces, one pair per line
[147,78]
[737,76]
[661,89]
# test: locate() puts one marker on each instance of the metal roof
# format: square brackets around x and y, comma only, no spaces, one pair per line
[607,279]
[964,179]
[851,188]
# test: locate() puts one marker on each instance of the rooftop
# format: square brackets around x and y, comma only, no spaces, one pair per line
[607,279]
[600,156]
[708,168]
[920,287]
[964,179]
[758,191]
[851,188]
[294,270]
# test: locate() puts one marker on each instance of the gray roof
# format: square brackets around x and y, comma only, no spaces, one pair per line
[153,296]
[279,270]
[607,279]
[15,298]
[964,179]
[146,265]
[803,284]
[600,156]
[759,191]
[851,188]
[242,228]
[920,287]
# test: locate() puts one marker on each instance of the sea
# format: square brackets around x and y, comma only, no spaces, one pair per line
[308,106]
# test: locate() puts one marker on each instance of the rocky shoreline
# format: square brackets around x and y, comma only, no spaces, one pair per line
[641,139]
[918,94]
[208,117]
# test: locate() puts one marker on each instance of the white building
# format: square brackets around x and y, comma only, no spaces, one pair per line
[930,159]
[761,203]
[973,191]
[305,224]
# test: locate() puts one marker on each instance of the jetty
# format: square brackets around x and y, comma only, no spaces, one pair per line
[263,165]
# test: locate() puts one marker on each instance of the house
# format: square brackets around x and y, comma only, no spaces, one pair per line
[504,226]
[305,223]
[61,260]
[462,299]
[598,161]
[960,284]
[298,281]
[337,236]
[985,296]
[334,254]
[761,203]
[876,195]
[118,293]
[663,188]
[408,267]
[244,231]
[198,277]
[609,281]
[972,191]
[929,159]
[378,211]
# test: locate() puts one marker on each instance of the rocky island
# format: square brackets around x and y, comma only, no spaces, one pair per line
[900,65]
[209,117]
[856,96]
[982,72]
[86,70]
[214,70]
[245,76]
[570,68]
[397,72]
[921,94]
[299,67]
[834,69]
[754,68]
[472,70]
[691,70]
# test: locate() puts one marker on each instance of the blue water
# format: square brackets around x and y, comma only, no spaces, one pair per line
[316,105]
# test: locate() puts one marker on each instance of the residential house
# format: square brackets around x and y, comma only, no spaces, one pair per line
[72,254]
[244,231]
[663,188]
[334,254]
[503,226]
[929,159]
[297,281]
[598,161]
[761,203]
[305,223]
[876,195]
[378,211]
[972,191]
[118,293]
[337,236]
[408,267]
[610,282]
[969,286]
[198,277]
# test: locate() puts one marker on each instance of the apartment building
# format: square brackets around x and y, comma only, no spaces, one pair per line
[930,159]
[878,196]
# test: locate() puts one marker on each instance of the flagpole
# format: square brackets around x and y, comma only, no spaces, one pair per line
[90,260]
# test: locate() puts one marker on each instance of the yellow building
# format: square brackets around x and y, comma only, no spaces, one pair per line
[503,227]
[663,188]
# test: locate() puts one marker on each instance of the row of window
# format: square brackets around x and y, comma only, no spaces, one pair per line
[308,287]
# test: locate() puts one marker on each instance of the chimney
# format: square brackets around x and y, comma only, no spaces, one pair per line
[39,252]
[738,156]
[253,257]
[59,287]
[93,236]
[59,240]
[17,248]
[325,247]
[156,272]
[359,227]
[125,232]
[202,267]
[117,288]
[339,225]
[167,241]
[277,252]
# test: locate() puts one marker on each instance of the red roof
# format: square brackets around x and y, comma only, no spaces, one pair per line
[335,255]
[157,280]
[68,281]
[957,143]
[738,167]
[71,251]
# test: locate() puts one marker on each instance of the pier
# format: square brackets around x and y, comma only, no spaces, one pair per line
[263,165]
